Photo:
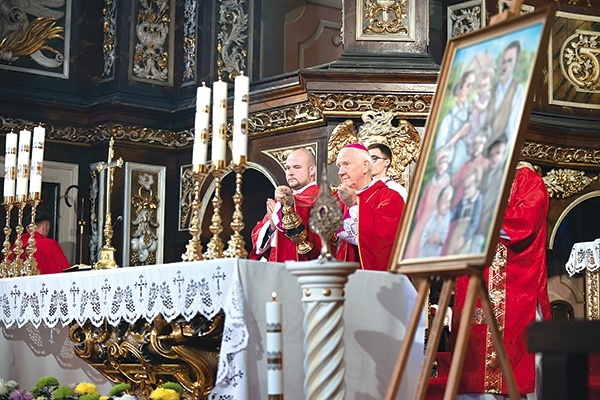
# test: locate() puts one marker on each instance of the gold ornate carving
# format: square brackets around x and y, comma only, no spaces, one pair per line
[559,154]
[285,118]
[350,104]
[574,61]
[232,36]
[390,20]
[492,381]
[378,127]
[152,28]
[36,38]
[144,239]
[281,154]
[565,183]
[190,16]
[109,29]
[146,354]
[580,60]
[343,134]
[386,16]
[465,17]
[101,133]
[592,293]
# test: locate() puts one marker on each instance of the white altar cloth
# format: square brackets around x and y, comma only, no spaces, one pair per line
[377,310]
[584,255]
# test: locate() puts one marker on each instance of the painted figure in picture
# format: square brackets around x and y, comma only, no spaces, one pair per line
[490,184]
[428,200]
[478,160]
[508,95]
[481,101]
[437,227]
[466,217]
[455,125]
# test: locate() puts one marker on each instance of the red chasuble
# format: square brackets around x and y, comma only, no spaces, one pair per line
[48,254]
[379,212]
[517,283]
[285,249]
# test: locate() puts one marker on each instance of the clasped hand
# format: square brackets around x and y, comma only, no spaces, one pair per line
[284,195]
[347,195]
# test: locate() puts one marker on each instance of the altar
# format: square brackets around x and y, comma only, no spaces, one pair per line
[36,312]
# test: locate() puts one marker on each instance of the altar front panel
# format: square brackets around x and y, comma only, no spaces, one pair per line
[377,310]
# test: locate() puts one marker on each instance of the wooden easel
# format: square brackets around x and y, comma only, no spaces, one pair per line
[475,289]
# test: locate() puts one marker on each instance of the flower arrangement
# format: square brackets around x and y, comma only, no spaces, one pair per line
[48,388]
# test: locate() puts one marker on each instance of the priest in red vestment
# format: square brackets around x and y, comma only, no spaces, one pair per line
[372,211]
[269,239]
[49,255]
[517,287]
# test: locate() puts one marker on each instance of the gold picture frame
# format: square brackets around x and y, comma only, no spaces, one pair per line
[470,110]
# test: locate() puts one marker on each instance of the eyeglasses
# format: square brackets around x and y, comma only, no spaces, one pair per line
[375,158]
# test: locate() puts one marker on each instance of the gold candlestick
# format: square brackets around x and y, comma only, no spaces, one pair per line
[237,247]
[214,248]
[17,264]
[6,246]
[30,266]
[194,247]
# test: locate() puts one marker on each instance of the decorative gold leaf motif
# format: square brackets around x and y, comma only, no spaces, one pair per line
[565,183]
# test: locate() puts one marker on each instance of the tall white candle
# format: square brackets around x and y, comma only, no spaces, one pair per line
[23,162]
[200,149]
[10,164]
[274,345]
[219,121]
[240,118]
[37,159]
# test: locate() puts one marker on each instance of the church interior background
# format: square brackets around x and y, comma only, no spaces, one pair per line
[128,71]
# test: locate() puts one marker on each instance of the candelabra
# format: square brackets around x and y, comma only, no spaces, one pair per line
[194,247]
[214,248]
[18,263]
[23,262]
[30,266]
[236,246]
[5,265]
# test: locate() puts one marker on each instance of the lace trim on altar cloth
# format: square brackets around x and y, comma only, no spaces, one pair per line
[128,294]
[584,255]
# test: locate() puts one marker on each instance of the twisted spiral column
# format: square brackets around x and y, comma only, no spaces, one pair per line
[323,282]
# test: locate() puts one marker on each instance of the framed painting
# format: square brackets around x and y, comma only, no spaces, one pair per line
[471,147]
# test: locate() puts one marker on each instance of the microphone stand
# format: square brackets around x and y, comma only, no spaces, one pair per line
[81,222]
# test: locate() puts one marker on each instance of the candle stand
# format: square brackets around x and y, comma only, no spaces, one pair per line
[30,266]
[214,248]
[236,246]
[194,247]
[6,245]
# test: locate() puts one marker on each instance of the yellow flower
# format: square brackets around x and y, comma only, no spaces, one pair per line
[164,394]
[103,398]
[86,388]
